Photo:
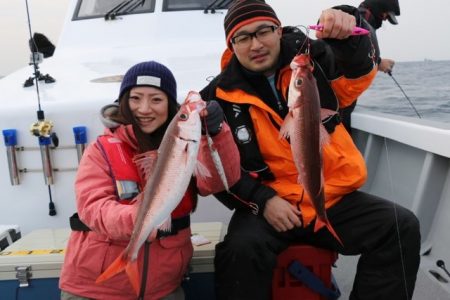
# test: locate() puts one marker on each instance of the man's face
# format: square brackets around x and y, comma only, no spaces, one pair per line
[258,53]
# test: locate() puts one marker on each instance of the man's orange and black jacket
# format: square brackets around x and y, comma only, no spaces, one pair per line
[343,70]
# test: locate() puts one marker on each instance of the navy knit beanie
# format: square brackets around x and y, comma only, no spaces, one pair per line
[150,73]
[243,12]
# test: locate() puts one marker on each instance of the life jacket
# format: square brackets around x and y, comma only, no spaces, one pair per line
[126,178]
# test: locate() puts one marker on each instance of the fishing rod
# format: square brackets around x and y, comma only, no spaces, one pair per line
[42,128]
[407,98]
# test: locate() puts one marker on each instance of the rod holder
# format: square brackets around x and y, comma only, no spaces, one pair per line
[80,135]
[10,138]
[44,145]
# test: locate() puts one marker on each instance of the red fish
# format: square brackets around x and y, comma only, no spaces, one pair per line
[303,125]
[170,177]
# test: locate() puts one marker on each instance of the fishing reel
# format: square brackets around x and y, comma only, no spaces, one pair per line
[41,128]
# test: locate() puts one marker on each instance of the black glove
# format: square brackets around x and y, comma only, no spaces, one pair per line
[213,121]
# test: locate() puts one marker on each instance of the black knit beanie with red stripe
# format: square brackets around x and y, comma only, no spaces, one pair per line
[243,12]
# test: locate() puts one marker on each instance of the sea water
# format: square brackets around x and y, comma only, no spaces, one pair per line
[425,83]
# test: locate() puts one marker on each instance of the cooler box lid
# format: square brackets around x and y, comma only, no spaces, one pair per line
[41,251]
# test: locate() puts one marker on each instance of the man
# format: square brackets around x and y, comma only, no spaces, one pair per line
[375,12]
[272,211]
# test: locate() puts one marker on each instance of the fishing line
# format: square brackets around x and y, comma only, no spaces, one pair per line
[396,217]
[407,98]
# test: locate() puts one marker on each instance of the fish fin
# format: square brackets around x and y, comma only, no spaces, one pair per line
[286,126]
[166,226]
[132,271]
[324,136]
[117,266]
[201,171]
[152,236]
[146,162]
[326,113]
[299,180]
[331,230]
[326,223]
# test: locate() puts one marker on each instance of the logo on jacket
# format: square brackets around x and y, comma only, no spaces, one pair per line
[237,110]
[243,134]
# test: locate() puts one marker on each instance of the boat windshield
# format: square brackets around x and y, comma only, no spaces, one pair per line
[177,5]
[87,9]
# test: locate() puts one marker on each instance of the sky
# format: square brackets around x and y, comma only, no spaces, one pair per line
[421,33]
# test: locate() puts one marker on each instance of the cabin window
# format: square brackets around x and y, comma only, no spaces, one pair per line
[176,5]
[87,9]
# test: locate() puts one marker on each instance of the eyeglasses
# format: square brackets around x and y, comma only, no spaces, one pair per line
[245,39]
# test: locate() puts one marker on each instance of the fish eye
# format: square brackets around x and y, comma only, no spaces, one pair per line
[183,117]
[298,82]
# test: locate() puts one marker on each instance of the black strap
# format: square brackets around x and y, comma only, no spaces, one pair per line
[331,123]
[177,224]
[76,224]
[144,271]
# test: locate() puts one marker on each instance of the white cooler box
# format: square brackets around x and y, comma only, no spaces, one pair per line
[30,267]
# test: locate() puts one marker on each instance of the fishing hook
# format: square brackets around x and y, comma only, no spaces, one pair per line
[306,40]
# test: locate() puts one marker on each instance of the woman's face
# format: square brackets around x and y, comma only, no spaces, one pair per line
[149,106]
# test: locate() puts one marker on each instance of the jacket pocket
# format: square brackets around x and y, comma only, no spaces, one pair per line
[96,254]
[170,258]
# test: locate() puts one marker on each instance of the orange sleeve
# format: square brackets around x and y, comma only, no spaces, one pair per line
[348,89]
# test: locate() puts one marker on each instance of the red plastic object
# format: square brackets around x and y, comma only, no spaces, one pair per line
[317,260]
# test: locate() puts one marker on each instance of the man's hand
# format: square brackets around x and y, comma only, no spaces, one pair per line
[212,118]
[281,214]
[386,65]
[336,24]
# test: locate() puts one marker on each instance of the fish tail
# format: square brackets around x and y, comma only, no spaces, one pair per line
[319,224]
[120,264]
[115,268]
[133,275]
[325,223]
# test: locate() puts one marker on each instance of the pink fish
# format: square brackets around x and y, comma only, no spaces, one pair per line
[303,125]
[169,180]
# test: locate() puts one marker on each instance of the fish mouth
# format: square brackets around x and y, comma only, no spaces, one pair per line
[195,103]
[196,106]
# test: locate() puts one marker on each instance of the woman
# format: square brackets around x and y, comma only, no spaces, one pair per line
[109,185]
